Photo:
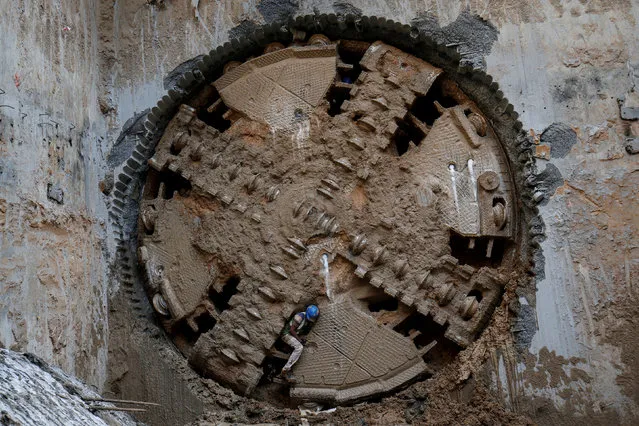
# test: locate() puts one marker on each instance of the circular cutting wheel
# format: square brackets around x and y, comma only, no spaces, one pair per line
[343,173]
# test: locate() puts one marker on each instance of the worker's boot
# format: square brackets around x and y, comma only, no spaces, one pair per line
[288,376]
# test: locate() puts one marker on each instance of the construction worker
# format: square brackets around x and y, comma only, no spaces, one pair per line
[292,334]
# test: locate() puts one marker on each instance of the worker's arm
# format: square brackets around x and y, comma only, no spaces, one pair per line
[293,332]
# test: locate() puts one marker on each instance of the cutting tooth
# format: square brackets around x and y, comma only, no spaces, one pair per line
[297,243]
[379,256]
[298,208]
[267,292]
[279,271]
[242,334]
[254,313]
[234,172]
[226,199]
[325,192]
[253,183]
[361,271]
[217,160]
[357,143]
[344,163]
[272,193]
[291,252]
[359,244]
[400,268]
[331,184]
[230,356]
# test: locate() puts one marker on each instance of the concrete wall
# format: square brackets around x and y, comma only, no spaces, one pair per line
[53,268]
[569,64]
[557,62]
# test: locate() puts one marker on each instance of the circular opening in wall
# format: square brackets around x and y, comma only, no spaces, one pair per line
[320,173]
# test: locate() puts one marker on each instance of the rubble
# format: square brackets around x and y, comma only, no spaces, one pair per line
[32,392]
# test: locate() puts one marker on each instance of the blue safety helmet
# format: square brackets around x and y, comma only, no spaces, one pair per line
[312,312]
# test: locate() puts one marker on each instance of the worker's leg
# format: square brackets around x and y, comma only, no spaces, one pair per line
[297,351]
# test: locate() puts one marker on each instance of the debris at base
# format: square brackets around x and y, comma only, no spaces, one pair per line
[35,393]
[313,408]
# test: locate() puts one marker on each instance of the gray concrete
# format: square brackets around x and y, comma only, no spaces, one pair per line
[53,266]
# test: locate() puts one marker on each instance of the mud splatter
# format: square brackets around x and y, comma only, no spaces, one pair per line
[624,335]
[558,6]
[548,181]
[472,35]
[245,29]
[525,325]
[561,139]
[277,10]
